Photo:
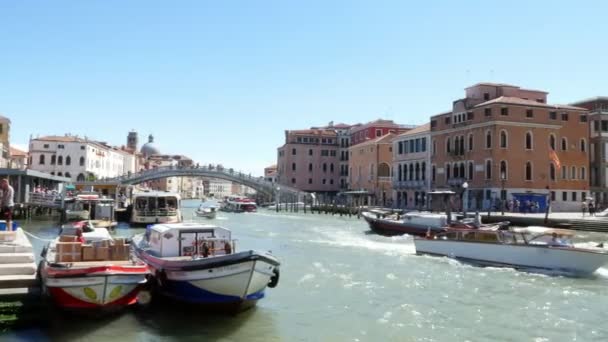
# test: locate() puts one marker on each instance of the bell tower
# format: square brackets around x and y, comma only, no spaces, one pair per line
[132,140]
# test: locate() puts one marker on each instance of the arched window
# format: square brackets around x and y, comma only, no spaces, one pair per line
[405,172]
[503,170]
[528,171]
[564,144]
[564,172]
[551,171]
[488,169]
[41,159]
[488,139]
[52,173]
[448,170]
[434,147]
[455,171]
[384,170]
[503,139]
[528,140]
[68,175]
[60,160]
[417,172]
[324,167]
[331,167]
[399,175]
[470,141]
[471,171]
[461,146]
[447,145]
[53,159]
[573,172]
[423,171]
[293,166]
[583,145]
[583,173]
[60,174]
[461,170]
[82,161]
[552,141]
[68,160]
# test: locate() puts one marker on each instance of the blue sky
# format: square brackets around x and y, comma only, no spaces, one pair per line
[220,81]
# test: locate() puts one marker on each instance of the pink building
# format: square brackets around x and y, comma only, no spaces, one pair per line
[375,129]
[309,160]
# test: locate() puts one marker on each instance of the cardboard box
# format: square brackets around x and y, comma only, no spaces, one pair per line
[121,252]
[102,243]
[88,253]
[102,253]
[69,251]
[68,238]
[119,241]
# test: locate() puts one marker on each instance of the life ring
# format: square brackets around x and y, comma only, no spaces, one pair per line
[274,280]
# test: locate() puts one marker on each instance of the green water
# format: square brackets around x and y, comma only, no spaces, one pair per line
[340,283]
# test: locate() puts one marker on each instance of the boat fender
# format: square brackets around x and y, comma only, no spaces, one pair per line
[161,277]
[274,280]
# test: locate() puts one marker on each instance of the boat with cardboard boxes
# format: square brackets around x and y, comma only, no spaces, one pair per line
[92,271]
[197,263]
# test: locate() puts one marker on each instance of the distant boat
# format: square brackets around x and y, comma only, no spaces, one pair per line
[197,263]
[208,210]
[239,204]
[532,248]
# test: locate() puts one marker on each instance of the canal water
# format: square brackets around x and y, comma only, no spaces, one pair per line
[339,282]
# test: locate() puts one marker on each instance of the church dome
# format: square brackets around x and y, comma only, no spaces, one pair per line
[150,148]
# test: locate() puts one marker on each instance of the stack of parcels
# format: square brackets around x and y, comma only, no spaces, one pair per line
[69,251]
[120,250]
[102,250]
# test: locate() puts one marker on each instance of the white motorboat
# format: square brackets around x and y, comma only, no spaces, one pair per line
[532,248]
[197,263]
[208,210]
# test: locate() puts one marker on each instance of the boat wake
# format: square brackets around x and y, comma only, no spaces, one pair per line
[397,245]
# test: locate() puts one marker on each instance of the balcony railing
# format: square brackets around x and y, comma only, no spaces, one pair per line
[456,181]
[410,184]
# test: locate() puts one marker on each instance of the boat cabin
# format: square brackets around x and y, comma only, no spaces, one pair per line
[188,239]
[523,236]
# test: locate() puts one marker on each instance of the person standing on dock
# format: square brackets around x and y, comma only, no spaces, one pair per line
[584,208]
[6,203]
[591,208]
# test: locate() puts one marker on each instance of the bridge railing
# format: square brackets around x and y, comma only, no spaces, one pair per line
[230,173]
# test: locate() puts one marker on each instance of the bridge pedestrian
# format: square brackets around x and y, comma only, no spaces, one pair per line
[7,203]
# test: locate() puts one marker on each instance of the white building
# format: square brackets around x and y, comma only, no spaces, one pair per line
[78,158]
[220,188]
[412,168]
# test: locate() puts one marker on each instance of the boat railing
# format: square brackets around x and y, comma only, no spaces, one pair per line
[40,198]
[160,212]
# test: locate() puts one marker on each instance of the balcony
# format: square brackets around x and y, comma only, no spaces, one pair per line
[456,181]
[410,184]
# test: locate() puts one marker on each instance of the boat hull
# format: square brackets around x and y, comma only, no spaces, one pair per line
[389,227]
[100,289]
[568,260]
[232,282]
[206,214]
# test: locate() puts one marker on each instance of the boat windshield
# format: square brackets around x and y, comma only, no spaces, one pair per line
[558,240]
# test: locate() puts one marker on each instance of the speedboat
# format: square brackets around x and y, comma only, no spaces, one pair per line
[413,223]
[207,210]
[532,248]
[198,264]
[91,271]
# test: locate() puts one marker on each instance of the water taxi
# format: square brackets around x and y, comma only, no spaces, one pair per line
[151,207]
[532,248]
[197,263]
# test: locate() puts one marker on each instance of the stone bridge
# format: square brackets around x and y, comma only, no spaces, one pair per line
[259,184]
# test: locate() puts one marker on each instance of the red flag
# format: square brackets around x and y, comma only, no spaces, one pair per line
[555,159]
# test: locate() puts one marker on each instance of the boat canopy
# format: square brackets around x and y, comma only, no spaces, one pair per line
[180,239]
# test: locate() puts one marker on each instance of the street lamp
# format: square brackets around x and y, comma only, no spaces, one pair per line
[465,186]
[503,195]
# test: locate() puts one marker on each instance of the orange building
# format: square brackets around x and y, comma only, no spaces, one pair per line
[370,169]
[507,144]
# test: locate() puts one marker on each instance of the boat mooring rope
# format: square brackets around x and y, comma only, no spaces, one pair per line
[37,237]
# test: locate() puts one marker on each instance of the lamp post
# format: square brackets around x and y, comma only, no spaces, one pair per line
[465,186]
[503,195]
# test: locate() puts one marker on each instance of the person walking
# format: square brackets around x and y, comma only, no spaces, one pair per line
[7,203]
[584,208]
[591,208]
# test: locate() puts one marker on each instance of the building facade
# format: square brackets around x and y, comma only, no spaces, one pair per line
[598,147]
[411,168]
[5,145]
[374,129]
[78,158]
[270,173]
[507,144]
[18,159]
[309,161]
[370,169]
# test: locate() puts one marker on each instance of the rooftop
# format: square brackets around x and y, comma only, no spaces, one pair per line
[591,99]
[325,132]
[15,152]
[490,84]
[419,129]
[522,102]
[385,139]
